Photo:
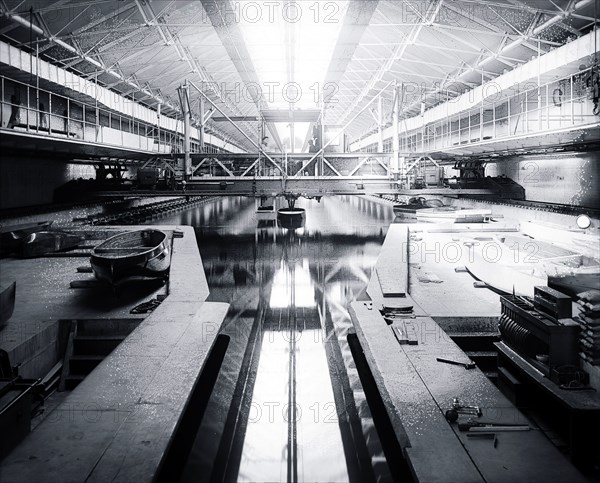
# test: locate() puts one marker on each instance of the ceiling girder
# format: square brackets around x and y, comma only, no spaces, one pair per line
[430,16]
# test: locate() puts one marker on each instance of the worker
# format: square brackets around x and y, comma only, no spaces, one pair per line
[593,84]
[42,116]
[15,106]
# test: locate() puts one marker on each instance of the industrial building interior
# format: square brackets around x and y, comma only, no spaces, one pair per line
[317,240]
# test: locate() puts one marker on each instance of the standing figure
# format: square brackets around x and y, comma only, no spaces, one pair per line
[42,116]
[15,106]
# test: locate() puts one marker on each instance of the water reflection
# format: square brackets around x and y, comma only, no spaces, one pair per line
[288,402]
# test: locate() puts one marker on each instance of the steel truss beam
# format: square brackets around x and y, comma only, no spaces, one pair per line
[531,34]
[238,53]
[398,53]
[99,65]
[237,127]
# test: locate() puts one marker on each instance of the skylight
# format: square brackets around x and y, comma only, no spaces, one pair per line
[291,45]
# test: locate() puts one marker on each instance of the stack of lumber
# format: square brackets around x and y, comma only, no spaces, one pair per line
[589,320]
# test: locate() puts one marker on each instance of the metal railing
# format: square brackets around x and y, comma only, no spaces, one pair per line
[555,105]
[25,107]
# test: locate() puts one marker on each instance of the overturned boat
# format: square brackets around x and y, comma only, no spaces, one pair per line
[452,214]
[412,205]
[12,236]
[130,256]
[46,242]
[517,264]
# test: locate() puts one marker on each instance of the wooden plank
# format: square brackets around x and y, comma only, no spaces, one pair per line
[393,275]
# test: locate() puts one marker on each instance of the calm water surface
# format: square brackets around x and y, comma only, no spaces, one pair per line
[288,405]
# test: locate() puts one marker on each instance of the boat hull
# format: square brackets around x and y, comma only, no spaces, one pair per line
[11,237]
[452,215]
[291,218]
[45,242]
[114,267]
[409,210]
[517,265]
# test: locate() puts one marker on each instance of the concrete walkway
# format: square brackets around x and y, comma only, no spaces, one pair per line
[117,424]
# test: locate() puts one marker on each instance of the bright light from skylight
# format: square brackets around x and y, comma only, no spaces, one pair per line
[292,286]
[290,44]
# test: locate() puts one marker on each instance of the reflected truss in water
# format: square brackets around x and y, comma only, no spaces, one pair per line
[295,410]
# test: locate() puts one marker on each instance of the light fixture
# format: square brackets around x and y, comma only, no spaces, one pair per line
[584,222]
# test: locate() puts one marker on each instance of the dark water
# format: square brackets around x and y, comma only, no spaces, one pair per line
[288,405]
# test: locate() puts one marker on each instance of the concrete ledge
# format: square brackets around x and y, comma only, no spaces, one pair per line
[417,390]
[117,424]
[31,336]
[430,445]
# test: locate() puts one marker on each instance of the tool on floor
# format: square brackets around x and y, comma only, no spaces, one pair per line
[145,307]
[458,408]
[491,427]
[466,365]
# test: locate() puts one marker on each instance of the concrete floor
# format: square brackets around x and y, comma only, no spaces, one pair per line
[438,288]
[416,389]
[44,296]
[119,422]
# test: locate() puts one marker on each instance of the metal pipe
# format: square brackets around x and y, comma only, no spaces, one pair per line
[184,99]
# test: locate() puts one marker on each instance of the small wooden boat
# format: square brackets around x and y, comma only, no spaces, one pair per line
[7,302]
[451,214]
[134,255]
[11,236]
[45,242]
[410,208]
[291,218]
[266,212]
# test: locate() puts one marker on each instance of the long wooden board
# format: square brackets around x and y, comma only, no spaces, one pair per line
[393,276]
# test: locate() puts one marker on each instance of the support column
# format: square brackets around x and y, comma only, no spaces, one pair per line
[202,125]
[184,99]
[158,109]
[396,134]
[380,125]
[322,137]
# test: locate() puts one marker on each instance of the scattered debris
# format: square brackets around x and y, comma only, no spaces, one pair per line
[146,307]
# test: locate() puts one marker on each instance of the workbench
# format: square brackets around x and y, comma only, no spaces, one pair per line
[578,410]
